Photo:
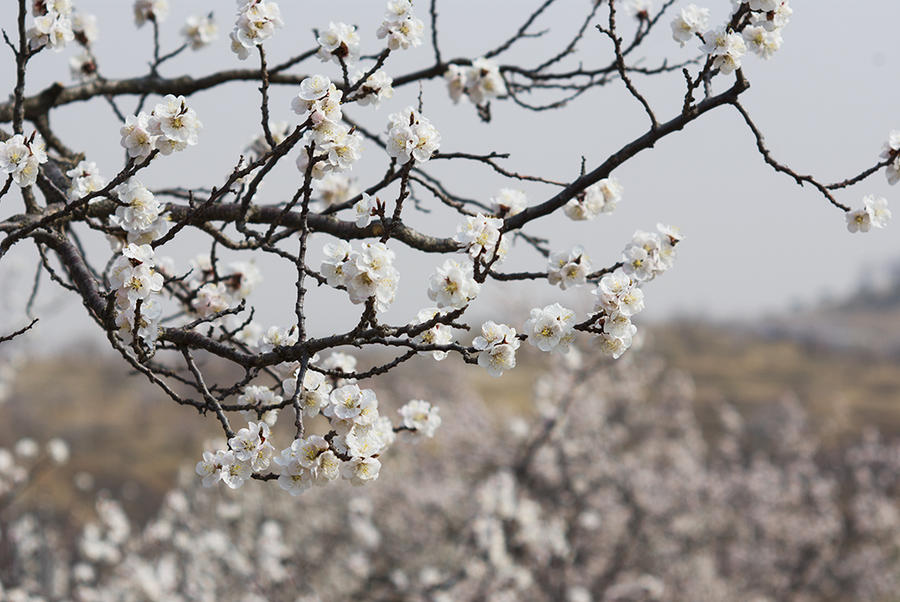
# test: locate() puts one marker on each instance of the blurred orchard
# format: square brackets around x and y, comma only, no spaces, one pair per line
[610,491]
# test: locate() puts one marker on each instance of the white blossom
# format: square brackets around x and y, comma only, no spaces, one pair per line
[610,345]
[411,137]
[21,158]
[200,31]
[360,471]
[339,42]
[377,87]
[136,136]
[598,198]
[334,266]
[210,467]
[479,236]
[352,403]
[85,28]
[174,121]
[874,213]
[400,27]
[366,208]
[259,397]
[891,151]
[421,417]
[146,318]
[691,21]
[85,179]
[508,202]
[256,22]
[725,47]
[53,29]
[83,67]
[439,334]
[498,344]
[277,336]
[480,81]
[150,10]
[453,285]
[569,268]
[370,273]
[761,41]
[141,208]
[550,329]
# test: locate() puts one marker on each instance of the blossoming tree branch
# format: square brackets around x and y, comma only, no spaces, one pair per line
[162,314]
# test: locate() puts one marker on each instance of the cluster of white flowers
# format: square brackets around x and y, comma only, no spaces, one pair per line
[551,329]
[219,289]
[598,198]
[52,25]
[479,236]
[200,31]
[691,21]
[359,435]
[771,14]
[650,254]
[874,213]
[336,147]
[619,296]
[411,137]
[509,202]
[400,27]
[150,10]
[366,208]
[726,47]
[358,432]
[618,299]
[257,21]
[367,273]
[250,451]
[85,179]
[277,336]
[892,151]
[260,397]
[453,285]
[314,394]
[344,362]
[497,344]
[569,268]
[134,280]
[311,461]
[761,36]
[21,158]
[171,126]
[421,418]
[480,81]
[439,334]
[376,88]
[339,43]
[762,41]
[140,216]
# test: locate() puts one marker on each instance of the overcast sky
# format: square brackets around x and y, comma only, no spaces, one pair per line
[756,243]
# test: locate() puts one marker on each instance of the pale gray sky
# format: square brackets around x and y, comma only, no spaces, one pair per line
[756,242]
